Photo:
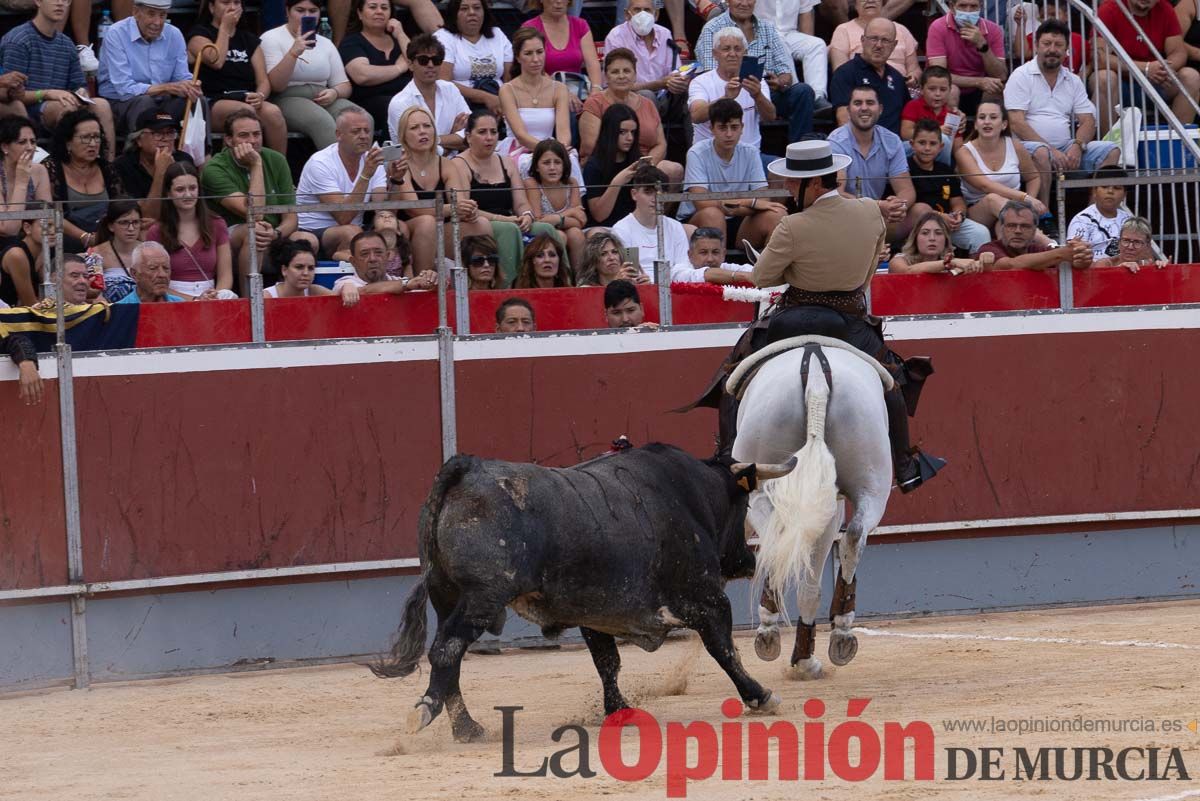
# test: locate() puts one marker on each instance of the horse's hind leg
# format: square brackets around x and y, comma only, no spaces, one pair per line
[843,645]
[804,665]
[469,618]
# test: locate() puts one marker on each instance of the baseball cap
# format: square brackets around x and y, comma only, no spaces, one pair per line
[155,120]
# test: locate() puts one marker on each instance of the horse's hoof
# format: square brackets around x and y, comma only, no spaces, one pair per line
[805,670]
[842,647]
[766,644]
[420,717]
[767,707]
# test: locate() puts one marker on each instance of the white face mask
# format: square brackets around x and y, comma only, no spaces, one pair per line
[642,23]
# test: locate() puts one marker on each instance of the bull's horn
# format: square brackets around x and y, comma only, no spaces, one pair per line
[766,472]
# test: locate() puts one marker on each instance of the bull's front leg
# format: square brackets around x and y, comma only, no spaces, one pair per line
[713,620]
[607,660]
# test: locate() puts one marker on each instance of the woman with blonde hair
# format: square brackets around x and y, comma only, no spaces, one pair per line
[928,250]
[544,265]
[601,263]
[425,174]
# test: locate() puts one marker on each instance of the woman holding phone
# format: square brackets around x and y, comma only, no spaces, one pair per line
[234,75]
[425,173]
[307,79]
[611,166]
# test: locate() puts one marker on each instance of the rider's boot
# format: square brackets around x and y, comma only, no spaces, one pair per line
[912,467]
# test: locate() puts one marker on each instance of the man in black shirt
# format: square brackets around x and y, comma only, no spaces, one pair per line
[871,68]
[940,189]
[141,167]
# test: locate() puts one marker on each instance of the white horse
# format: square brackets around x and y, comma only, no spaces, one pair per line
[840,439]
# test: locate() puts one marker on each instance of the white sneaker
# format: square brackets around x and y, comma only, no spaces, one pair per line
[87,58]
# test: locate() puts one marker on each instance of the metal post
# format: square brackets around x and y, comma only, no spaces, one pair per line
[462,308]
[258,325]
[70,462]
[1066,277]
[47,264]
[439,211]
[449,410]
[662,270]
[445,336]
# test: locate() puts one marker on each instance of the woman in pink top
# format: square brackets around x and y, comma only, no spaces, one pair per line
[569,44]
[197,240]
[846,42]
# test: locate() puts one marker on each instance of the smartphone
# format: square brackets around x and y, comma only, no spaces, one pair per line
[631,255]
[391,152]
[953,120]
[81,93]
[308,30]
[752,67]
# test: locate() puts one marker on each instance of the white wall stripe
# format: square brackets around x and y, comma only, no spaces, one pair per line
[1046,640]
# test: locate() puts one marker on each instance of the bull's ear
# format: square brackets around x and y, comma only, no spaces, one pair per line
[745,475]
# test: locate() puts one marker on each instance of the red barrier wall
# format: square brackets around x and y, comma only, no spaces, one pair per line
[220,322]
[941,293]
[33,540]
[1149,286]
[199,472]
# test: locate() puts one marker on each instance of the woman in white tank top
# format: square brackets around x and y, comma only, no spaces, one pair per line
[993,167]
[298,265]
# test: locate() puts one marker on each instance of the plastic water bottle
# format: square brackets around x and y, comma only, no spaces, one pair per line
[105,23]
[324,28]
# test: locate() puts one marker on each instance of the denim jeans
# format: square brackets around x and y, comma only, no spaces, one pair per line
[795,104]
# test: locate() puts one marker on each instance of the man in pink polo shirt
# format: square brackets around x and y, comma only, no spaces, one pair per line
[972,49]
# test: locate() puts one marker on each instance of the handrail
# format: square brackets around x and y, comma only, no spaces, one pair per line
[1148,90]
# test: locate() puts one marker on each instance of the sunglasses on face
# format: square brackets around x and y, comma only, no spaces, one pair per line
[479,261]
[425,61]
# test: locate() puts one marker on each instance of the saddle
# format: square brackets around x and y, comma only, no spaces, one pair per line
[739,379]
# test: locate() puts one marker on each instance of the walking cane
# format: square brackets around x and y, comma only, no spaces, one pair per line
[187,108]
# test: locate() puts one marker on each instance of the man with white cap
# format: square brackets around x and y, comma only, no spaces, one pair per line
[827,292]
[144,66]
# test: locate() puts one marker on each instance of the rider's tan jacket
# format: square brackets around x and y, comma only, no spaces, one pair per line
[832,246]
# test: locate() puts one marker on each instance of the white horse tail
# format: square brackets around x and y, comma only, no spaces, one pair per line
[805,500]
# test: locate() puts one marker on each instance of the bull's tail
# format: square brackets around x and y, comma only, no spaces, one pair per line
[409,645]
[804,500]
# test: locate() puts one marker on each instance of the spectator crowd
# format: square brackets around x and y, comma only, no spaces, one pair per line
[555,136]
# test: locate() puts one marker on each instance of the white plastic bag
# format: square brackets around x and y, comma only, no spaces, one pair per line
[1125,133]
[195,137]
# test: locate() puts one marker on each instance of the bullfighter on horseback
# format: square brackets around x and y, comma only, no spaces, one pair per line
[828,253]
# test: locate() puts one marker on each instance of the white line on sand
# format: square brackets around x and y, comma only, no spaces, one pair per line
[1176,797]
[1050,640]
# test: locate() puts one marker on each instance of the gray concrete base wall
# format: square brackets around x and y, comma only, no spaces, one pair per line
[138,636]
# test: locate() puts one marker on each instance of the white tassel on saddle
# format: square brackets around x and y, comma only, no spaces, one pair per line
[805,501]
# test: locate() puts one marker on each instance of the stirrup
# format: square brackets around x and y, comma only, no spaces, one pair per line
[926,468]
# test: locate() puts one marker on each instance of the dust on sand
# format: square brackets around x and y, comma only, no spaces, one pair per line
[336,732]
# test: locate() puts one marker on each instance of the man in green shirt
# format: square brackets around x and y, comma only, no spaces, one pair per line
[245,168]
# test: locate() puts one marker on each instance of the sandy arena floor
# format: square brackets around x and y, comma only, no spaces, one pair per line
[338,732]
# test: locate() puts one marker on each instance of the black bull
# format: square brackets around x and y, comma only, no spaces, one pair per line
[631,545]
